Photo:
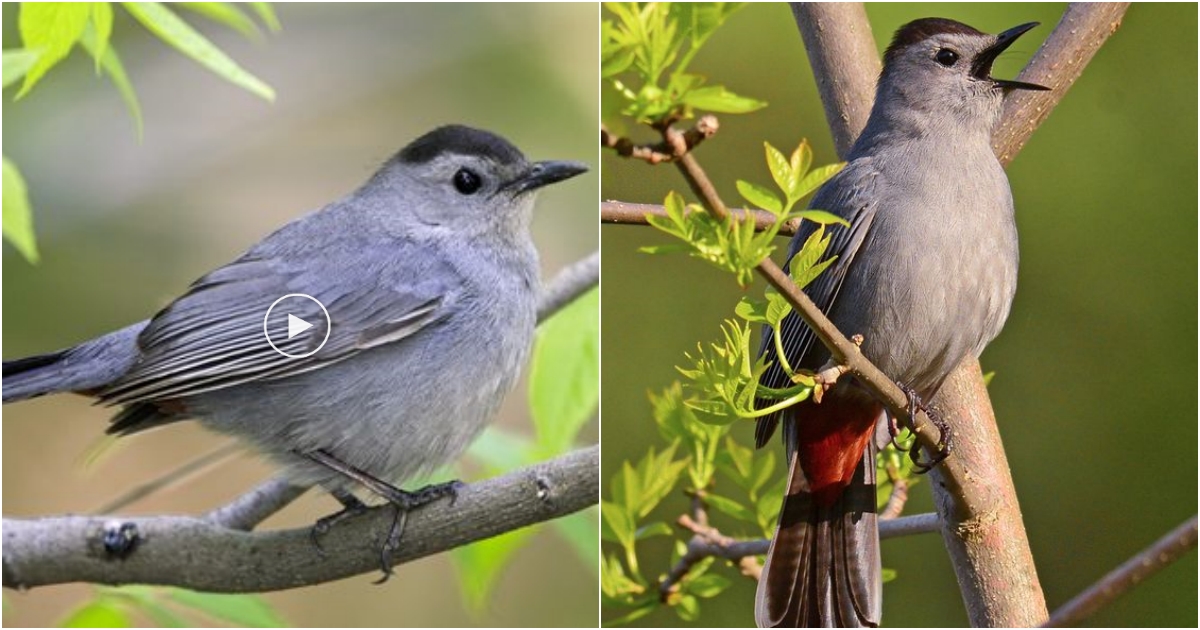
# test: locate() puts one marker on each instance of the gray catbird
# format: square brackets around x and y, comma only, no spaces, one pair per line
[926,272]
[430,281]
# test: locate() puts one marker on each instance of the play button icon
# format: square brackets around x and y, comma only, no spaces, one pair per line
[296,325]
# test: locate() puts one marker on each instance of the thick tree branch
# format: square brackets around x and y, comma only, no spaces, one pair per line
[845,63]
[196,553]
[571,282]
[1134,571]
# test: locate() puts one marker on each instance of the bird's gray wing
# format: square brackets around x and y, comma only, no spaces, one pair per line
[213,336]
[848,195]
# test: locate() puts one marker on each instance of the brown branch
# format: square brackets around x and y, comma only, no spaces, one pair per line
[845,62]
[709,542]
[1083,29]
[897,498]
[704,129]
[1134,571]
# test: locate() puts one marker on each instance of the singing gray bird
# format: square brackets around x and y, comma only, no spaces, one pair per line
[926,272]
[430,281]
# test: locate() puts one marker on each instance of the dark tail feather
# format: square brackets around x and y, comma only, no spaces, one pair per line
[89,366]
[823,567]
[32,376]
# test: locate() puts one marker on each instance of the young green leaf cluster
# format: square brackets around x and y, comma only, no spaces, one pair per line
[50,31]
[653,43]
[696,453]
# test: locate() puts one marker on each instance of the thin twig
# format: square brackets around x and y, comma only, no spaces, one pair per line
[704,129]
[1131,573]
[178,475]
[622,213]
[247,511]
[709,542]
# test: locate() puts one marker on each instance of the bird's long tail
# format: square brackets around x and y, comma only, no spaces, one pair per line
[89,366]
[823,566]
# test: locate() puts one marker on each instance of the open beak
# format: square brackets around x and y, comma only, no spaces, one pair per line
[544,173]
[981,68]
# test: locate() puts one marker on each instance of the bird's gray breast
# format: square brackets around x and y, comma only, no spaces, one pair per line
[937,272]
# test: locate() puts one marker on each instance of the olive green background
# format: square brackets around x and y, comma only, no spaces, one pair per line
[125,226]
[1095,385]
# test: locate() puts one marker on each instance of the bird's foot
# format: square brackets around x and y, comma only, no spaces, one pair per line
[351,507]
[945,436]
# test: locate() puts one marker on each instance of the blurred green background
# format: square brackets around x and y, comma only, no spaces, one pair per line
[1095,385]
[124,226]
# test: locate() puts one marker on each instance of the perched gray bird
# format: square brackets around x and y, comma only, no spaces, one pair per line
[926,272]
[430,280]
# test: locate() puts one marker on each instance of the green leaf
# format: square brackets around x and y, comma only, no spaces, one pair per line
[17,62]
[760,196]
[53,28]
[99,612]
[616,524]
[266,13]
[564,376]
[822,217]
[480,564]
[111,64]
[18,215]
[751,310]
[102,21]
[708,585]
[239,610]
[987,378]
[813,180]
[779,166]
[688,608]
[225,13]
[657,528]
[730,508]
[715,98]
[163,22]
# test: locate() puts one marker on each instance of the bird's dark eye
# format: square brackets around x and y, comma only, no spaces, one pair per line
[946,57]
[467,182]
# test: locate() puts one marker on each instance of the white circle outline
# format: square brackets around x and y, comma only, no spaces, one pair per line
[328,326]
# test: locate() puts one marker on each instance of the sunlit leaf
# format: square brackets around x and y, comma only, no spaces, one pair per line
[17,62]
[564,374]
[111,64]
[225,13]
[266,13]
[480,564]
[101,612]
[52,28]
[102,21]
[760,196]
[715,98]
[18,215]
[163,22]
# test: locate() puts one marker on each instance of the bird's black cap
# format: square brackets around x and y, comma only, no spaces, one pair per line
[463,141]
[922,29]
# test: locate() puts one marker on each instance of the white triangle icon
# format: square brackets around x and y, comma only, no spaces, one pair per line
[296,326]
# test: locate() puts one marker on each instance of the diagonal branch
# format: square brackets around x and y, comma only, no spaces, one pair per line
[1134,571]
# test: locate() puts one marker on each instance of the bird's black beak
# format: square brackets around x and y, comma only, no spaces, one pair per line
[981,68]
[544,173]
